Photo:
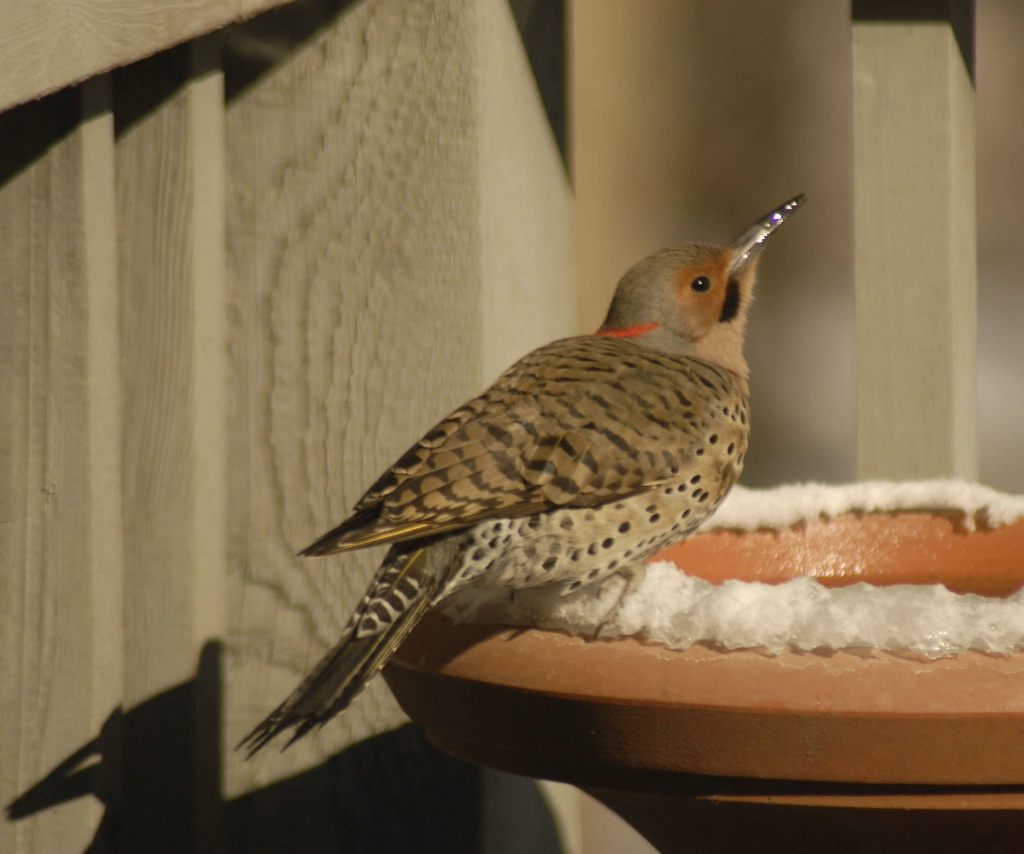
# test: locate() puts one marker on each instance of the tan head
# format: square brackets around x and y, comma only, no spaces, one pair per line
[694,300]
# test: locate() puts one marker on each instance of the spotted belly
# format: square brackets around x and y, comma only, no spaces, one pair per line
[575,546]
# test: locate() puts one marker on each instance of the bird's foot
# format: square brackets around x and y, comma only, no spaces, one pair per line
[633,576]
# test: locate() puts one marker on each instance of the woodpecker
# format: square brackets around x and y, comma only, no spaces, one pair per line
[584,458]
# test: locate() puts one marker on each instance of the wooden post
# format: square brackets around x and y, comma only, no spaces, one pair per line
[60,472]
[170,191]
[915,246]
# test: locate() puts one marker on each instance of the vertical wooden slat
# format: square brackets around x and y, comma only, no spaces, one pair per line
[170,204]
[170,186]
[104,443]
[915,254]
[60,511]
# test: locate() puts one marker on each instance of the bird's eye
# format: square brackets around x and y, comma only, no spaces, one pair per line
[701,284]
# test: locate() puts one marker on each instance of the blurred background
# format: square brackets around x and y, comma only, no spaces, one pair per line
[691,118]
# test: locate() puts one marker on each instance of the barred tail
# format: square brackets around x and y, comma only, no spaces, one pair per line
[398,597]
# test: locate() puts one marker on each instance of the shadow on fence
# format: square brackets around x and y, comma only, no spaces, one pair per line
[156,768]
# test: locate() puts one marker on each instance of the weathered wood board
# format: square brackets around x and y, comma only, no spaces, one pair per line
[60,484]
[915,252]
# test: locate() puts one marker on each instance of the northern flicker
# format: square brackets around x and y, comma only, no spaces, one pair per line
[584,458]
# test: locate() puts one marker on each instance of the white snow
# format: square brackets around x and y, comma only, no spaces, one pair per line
[677,610]
[783,506]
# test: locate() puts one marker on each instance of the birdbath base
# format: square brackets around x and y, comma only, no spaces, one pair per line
[707,750]
[841,748]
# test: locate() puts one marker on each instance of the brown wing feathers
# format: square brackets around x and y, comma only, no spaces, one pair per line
[510,452]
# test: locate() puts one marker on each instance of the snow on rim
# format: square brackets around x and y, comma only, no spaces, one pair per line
[676,610]
[783,506]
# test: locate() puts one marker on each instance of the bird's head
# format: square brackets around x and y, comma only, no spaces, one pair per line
[693,300]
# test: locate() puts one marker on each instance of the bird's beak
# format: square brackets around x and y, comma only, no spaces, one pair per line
[747,246]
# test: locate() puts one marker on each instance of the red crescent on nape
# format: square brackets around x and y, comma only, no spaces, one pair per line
[630,331]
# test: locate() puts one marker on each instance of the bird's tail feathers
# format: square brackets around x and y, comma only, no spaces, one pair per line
[397,599]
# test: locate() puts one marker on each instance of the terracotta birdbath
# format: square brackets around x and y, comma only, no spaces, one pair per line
[710,750]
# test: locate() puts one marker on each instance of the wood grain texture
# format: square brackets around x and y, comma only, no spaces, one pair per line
[362,311]
[48,45]
[170,224]
[170,196]
[60,507]
[915,253]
